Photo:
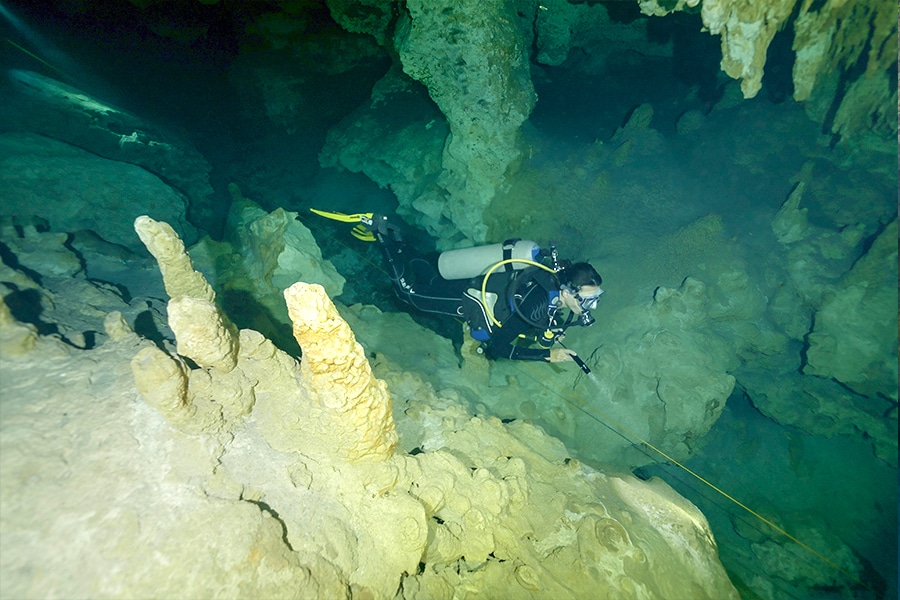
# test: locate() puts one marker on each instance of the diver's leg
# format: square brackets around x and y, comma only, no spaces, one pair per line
[398,267]
[417,282]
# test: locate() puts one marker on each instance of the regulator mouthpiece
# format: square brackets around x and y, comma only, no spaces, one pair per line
[586,319]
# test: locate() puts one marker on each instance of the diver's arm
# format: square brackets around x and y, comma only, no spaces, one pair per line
[561,355]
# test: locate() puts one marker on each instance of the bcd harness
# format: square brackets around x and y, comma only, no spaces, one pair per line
[484,313]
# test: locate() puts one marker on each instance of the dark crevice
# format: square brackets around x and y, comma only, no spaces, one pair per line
[274,514]
[10,260]
[25,307]
[804,350]
[145,326]
[867,243]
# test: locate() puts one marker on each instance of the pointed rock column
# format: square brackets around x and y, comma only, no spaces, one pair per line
[354,407]
[204,333]
[194,400]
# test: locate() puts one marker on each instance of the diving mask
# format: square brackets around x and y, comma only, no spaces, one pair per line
[588,302]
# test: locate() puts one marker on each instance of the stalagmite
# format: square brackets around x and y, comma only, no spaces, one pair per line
[204,333]
[338,376]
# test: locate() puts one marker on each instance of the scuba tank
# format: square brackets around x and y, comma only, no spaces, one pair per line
[467,263]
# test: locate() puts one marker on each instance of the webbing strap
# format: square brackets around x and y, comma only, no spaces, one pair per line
[508,246]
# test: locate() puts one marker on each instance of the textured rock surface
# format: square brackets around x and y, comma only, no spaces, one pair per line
[42,269]
[248,496]
[837,373]
[373,17]
[42,105]
[471,63]
[263,254]
[830,38]
[35,171]
[167,248]
[661,374]
[276,249]
[472,59]
[16,339]
[405,158]
[338,376]
[560,27]
[853,339]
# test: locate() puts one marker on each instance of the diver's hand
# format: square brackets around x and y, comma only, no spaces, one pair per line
[561,355]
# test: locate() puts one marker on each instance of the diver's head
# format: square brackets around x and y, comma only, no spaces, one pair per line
[580,290]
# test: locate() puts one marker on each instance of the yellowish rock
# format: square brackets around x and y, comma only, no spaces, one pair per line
[162,380]
[338,376]
[203,333]
[178,272]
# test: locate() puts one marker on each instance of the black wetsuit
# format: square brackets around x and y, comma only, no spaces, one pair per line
[533,297]
[419,284]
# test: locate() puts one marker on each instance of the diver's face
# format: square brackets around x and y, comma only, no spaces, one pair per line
[584,299]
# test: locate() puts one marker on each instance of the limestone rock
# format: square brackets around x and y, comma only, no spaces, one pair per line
[406,159]
[116,327]
[93,187]
[836,369]
[791,563]
[377,332]
[258,490]
[178,272]
[816,256]
[263,254]
[163,382]
[511,514]
[484,107]
[36,252]
[338,376]
[660,372]
[46,285]
[364,16]
[853,339]
[91,440]
[277,249]
[202,334]
[51,108]
[790,224]
[560,26]
[829,38]
[822,406]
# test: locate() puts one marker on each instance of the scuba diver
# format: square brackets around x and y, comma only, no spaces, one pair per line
[535,286]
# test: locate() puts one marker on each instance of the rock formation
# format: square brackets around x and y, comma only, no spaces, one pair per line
[831,39]
[263,253]
[38,104]
[254,474]
[338,376]
[841,301]
[407,159]
[473,61]
[853,338]
[35,169]
[184,446]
